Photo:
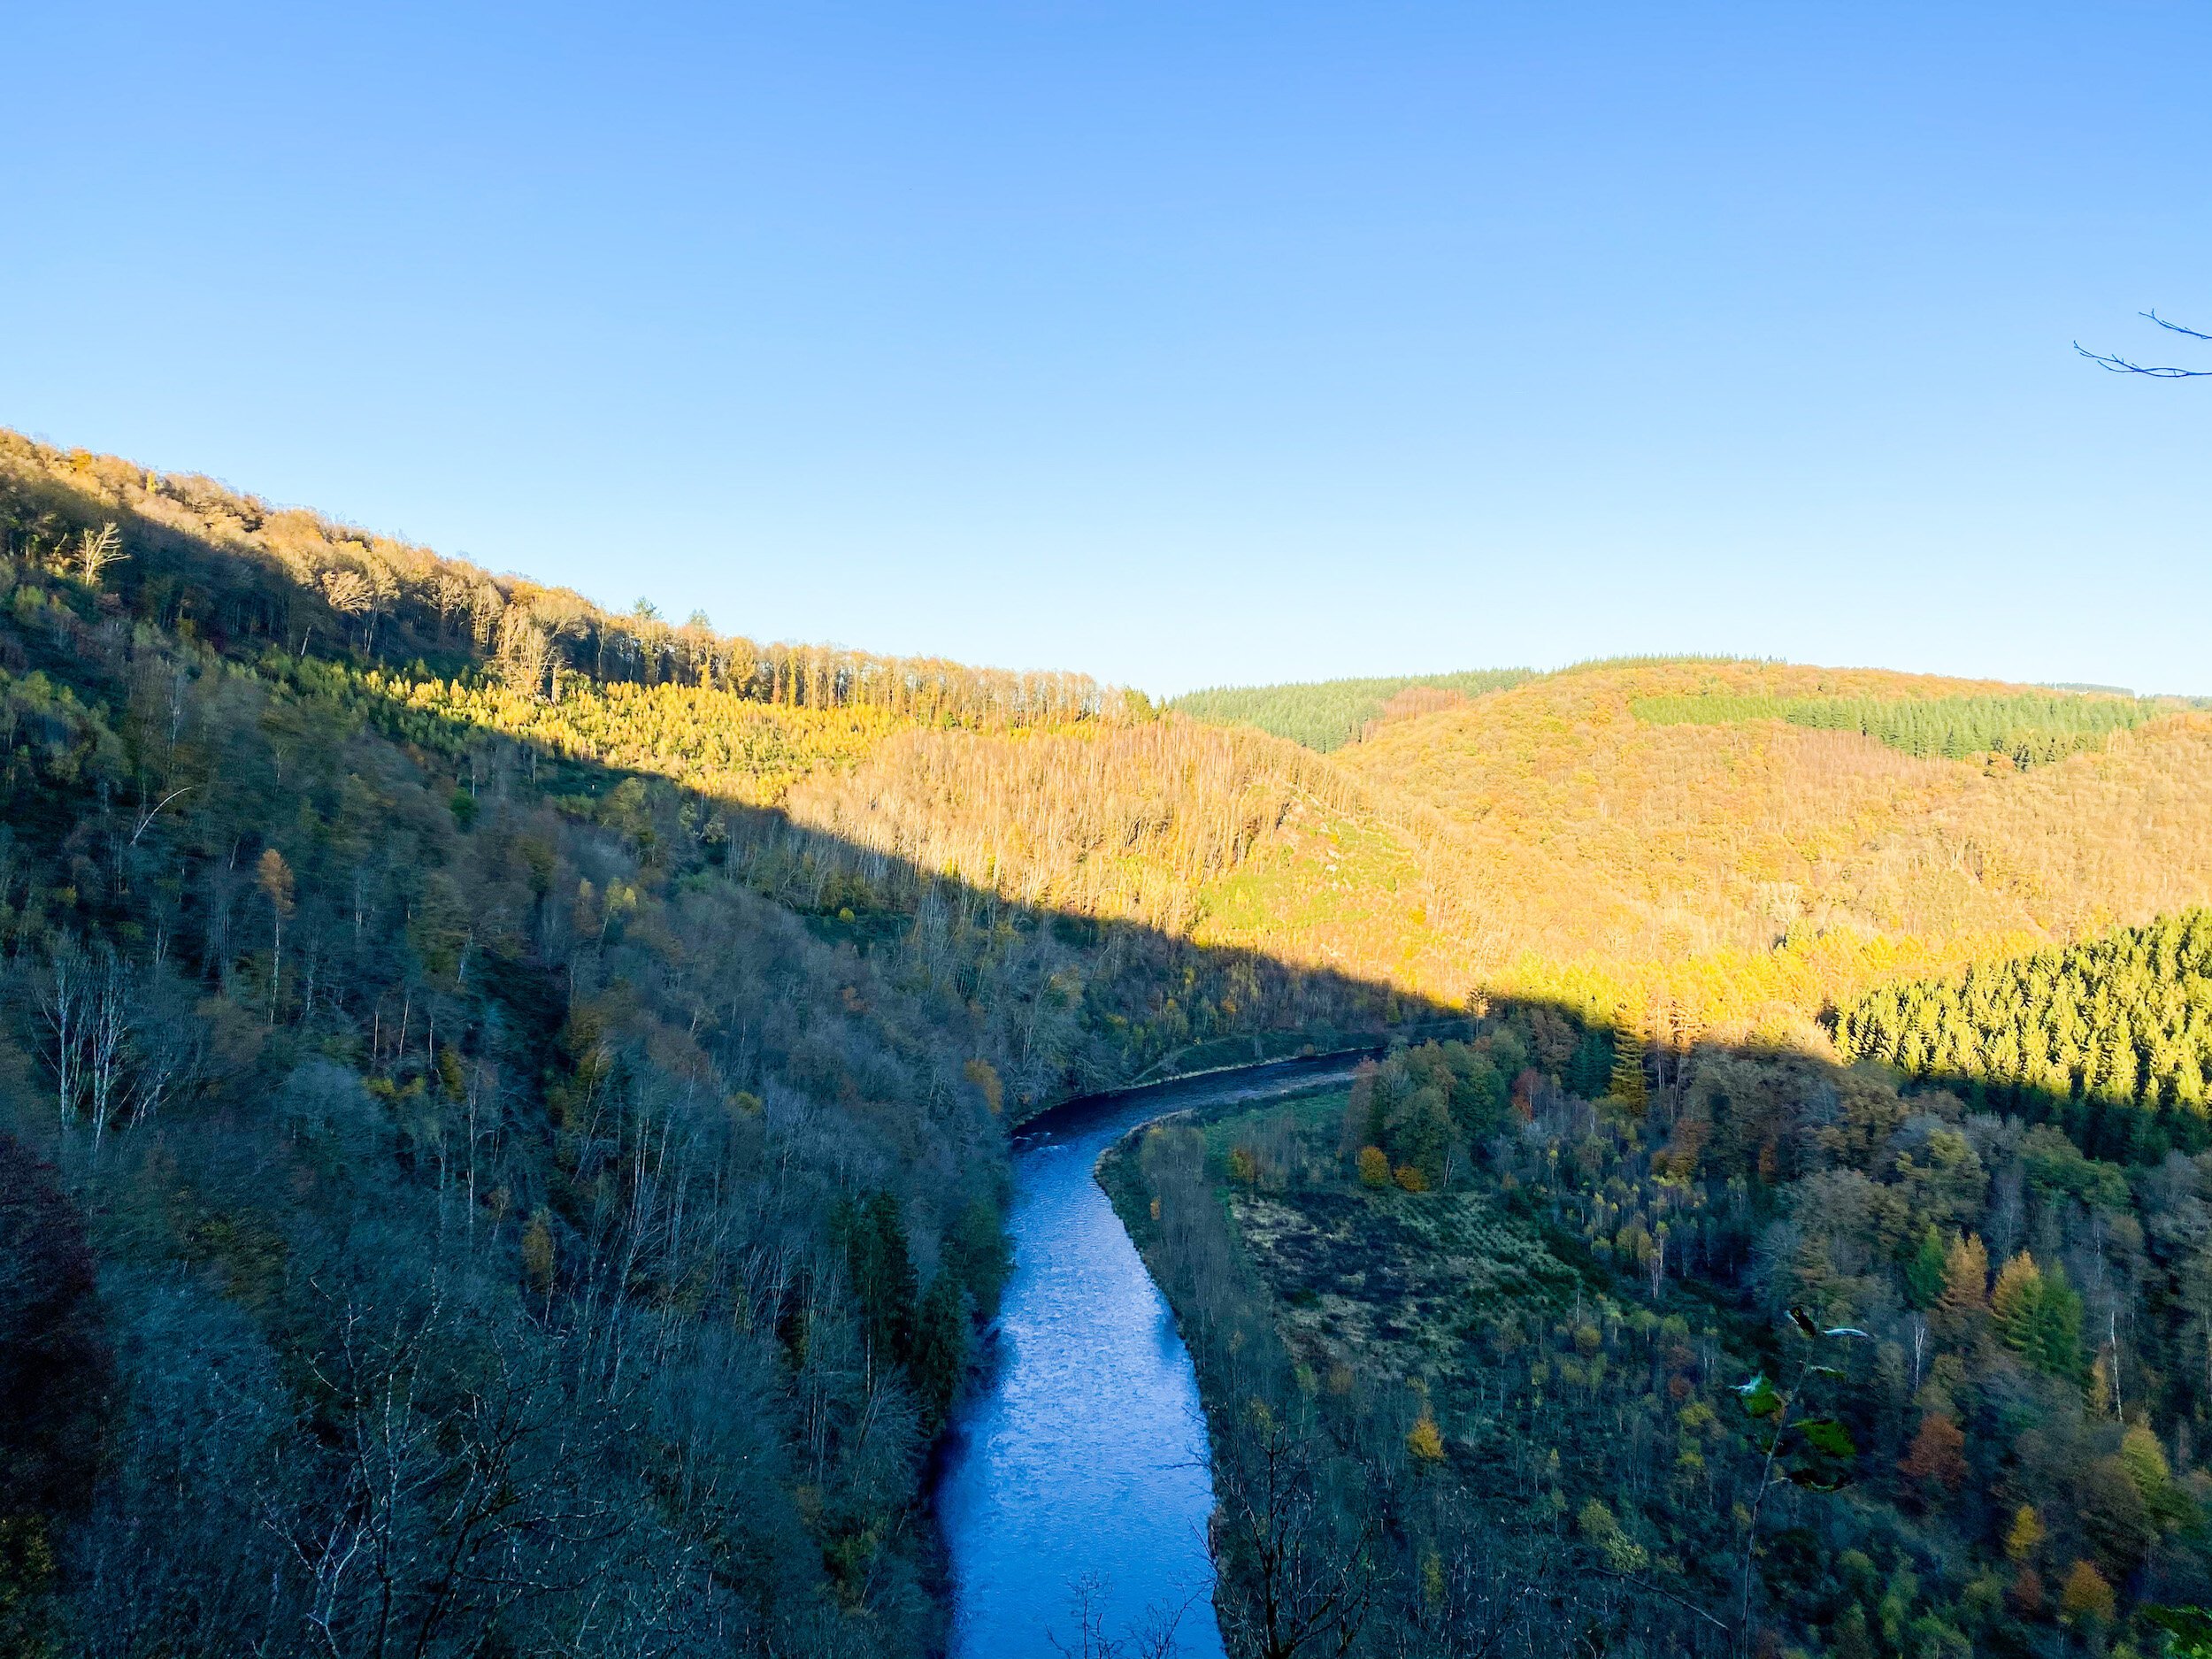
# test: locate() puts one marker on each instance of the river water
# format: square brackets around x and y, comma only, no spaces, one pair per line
[1082,1470]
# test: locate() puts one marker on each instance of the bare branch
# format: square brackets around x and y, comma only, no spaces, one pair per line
[2177,328]
[154,811]
[2116,364]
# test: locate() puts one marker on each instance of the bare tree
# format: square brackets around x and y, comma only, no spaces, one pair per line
[2125,365]
[1299,1579]
[64,1006]
[96,550]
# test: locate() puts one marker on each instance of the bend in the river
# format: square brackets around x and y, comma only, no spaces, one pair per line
[1083,1471]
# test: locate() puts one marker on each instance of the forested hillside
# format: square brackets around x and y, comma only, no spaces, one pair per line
[503,1115]
[2113,1035]
[1529,1346]
[1738,878]
[477,1176]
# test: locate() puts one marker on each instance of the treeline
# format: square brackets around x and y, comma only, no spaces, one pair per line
[195,558]
[1746,1352]
[2027,728]
[1327,714]
[2112,1037]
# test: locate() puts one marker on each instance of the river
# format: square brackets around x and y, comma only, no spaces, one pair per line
[1081,1471]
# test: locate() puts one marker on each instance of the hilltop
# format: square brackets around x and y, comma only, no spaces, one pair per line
[1703,845]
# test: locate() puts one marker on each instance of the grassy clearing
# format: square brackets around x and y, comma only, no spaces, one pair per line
[1397,1283]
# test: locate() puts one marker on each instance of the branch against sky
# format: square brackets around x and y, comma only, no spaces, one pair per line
[2122,366]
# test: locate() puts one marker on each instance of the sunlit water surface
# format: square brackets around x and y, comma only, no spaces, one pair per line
[1084,1462]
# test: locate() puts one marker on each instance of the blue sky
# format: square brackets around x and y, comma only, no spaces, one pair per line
[1181,343]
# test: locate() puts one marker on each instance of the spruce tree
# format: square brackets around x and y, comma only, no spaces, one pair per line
[1925,1268]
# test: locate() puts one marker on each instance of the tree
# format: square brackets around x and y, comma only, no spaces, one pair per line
[2024,1536]
[2037,1315]
[1627,1086]
[940,1348]
[1925,1270]
[96,551]
[1424,1441]
[2016,1304]
[2114,1516]
[1937,1455]
[883,1277]
[1965,1302]
[275,878]
[1298,1573]
[2086,1595]
[2145,1460]
[1419,1135]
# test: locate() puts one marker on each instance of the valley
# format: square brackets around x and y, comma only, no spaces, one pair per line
[511,1114]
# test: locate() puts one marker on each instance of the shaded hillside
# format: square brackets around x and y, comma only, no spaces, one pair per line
[498,1187]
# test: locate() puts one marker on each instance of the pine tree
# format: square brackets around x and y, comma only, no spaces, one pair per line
[2055,1326]
[940,1347]
[1924,1269]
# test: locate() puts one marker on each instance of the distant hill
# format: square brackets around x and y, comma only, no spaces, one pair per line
[1327,714]
[1742,868]
[1699,845]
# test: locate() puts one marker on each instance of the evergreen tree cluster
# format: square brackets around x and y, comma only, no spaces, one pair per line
[1327,714]
[2112,1038]
[2028,728]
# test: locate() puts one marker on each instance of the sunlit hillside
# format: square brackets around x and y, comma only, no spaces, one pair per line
[1695,846]
[1327,714]
[1624,837]
[1737,870]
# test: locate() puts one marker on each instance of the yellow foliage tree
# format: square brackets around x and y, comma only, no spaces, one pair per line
[2085,1595]
[1424,1440]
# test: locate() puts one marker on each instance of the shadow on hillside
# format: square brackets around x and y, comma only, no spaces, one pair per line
[1152,1003]
[1148,1003]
